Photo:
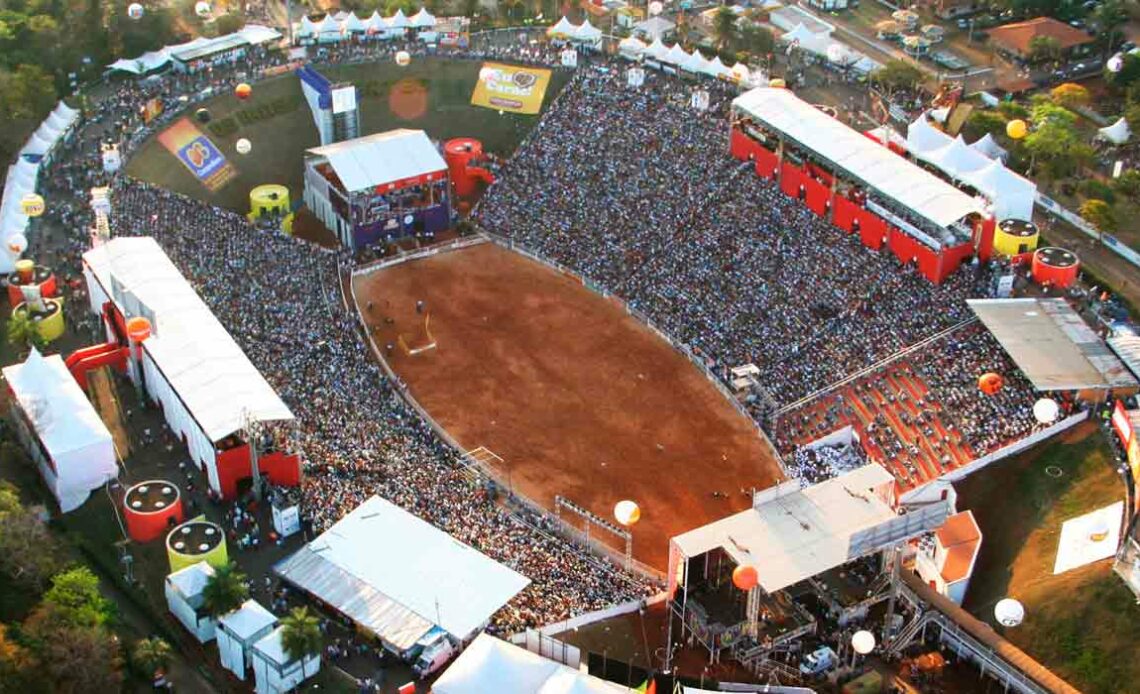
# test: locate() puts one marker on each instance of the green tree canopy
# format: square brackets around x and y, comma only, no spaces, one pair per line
[74,599]
[225,591]
[1128,185]
[28,552]
[897,74]
[1043,49]
[151,654]
[724,28]
[1099,213]
[985,122]
[1069,95]
[301,635]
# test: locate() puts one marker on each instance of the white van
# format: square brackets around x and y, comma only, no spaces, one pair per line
[822,660]
[434,655]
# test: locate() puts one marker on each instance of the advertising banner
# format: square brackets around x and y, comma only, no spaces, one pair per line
[511,88]
[198,154]
[151,110]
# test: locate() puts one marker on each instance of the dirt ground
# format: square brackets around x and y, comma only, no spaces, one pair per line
[575,396]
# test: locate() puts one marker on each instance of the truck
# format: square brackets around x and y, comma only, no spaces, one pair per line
[819,661]
[436,650]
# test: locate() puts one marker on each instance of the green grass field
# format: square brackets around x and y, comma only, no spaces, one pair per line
[432,94]
[1083,623]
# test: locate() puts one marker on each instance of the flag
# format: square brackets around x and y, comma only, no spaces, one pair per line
[409,688]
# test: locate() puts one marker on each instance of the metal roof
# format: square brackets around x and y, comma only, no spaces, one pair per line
[859,157]
[382,158]
[1052,344]
[1127,347]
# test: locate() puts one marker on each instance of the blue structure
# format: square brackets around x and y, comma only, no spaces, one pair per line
[333,106]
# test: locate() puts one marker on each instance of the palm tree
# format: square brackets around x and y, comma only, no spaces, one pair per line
[23,332]
[301,636]
[225,591]
[152,654]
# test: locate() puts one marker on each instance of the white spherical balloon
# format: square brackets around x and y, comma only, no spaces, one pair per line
[627,512]
[135,11]
[863,642]
[1046,410]
[1009,612]
[202,8]
[17,243]
[403,58]
[656,7]
[1116,63]
[243,146]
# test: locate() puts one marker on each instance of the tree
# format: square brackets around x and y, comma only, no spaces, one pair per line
[1132,116]
[1129,72]
[984,122]
[23,333]
[228,24]
[225,591]
[151,654]
[1069,95]
[1110,16]
[897,74]
[15,666]
[301,636]
[756,39]
[29,554]
[1043,49]
[724,28]
[1100,215]
[74,599]
[72,659]
[1128,185]
[1054,142]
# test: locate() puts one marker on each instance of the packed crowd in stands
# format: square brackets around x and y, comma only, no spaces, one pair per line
[355,436]
[814,464]
[632,189]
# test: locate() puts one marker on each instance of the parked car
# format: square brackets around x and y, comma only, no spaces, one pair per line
[819,661]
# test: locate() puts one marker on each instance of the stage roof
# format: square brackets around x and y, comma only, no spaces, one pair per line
[382,158]
[398,575]
[791,534]
[1051,344]
[492,665]
[909,185]
[208,370]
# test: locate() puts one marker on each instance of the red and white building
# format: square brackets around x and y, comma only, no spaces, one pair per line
[946,560]
[209,392]
[859,185]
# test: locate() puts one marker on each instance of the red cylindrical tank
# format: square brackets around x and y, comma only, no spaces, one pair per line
[151,508]
[459,153]
[1055,267]
[39,275]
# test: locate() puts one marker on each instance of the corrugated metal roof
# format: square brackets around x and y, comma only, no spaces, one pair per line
[1127,347]
[382,158]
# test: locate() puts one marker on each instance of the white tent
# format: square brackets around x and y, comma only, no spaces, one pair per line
[1117,133]
[422,19]
[307,29]
[492,665]
[956,158]
[921,136]
[989,148]
[563,28]
[631,48]
[398,21]
[740,73]
[1012,195]
[695,63]
[587,34]
[183,590]
[37,145]
[328,30]
[238,631]
[654,28]
[376,24]
[60,429]
[274,671]
[351,24]
[715,68]
[676,55]
[940,114]
[257,34]
[656,50]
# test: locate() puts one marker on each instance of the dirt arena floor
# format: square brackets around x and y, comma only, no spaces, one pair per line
[575,396]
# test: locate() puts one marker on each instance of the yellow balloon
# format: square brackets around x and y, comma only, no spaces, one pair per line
[1016,129]
[777,83]
[32,205]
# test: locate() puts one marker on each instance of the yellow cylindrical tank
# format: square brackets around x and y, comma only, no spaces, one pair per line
[50,325]
[194,541]
[268,199]
[1015,236]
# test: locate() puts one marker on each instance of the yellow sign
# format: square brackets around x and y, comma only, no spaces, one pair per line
[511,88]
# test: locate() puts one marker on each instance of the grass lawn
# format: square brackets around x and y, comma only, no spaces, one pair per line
[1084,623]
[431,94]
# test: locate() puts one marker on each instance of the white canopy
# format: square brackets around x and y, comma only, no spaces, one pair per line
[656,50]
[654,27]
[631,47]
[352,24]
[80,451]
[238,631]
[397,575]
[563,28]
[1012,195]
[376,23]
[382,158]
[328,29]
[398,20]
[208,376]
[888,174]
[1117,133]
[695,63]
[587,33]
[740,72]
[493,665]
[273,669]
[821,44]
[308,28]
[423,19]
[715,68]
[257,34]
[989,147]
[676,55]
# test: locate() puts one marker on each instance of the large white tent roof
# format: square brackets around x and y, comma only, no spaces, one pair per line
[492,665]
[206,368]
[382,158]
[793,533]
[398,575]
[1117,133]
[423,19]
[63,417]
[918,190]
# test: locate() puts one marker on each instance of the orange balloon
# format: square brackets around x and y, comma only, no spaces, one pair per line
[138,329]
[990,383]
[745,577]
[242,91]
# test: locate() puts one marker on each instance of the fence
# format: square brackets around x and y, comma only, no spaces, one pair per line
[605,557]
[644,320]
[602,615]
[1115,245]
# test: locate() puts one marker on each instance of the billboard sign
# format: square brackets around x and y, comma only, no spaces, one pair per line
[513,88]
[198,154]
